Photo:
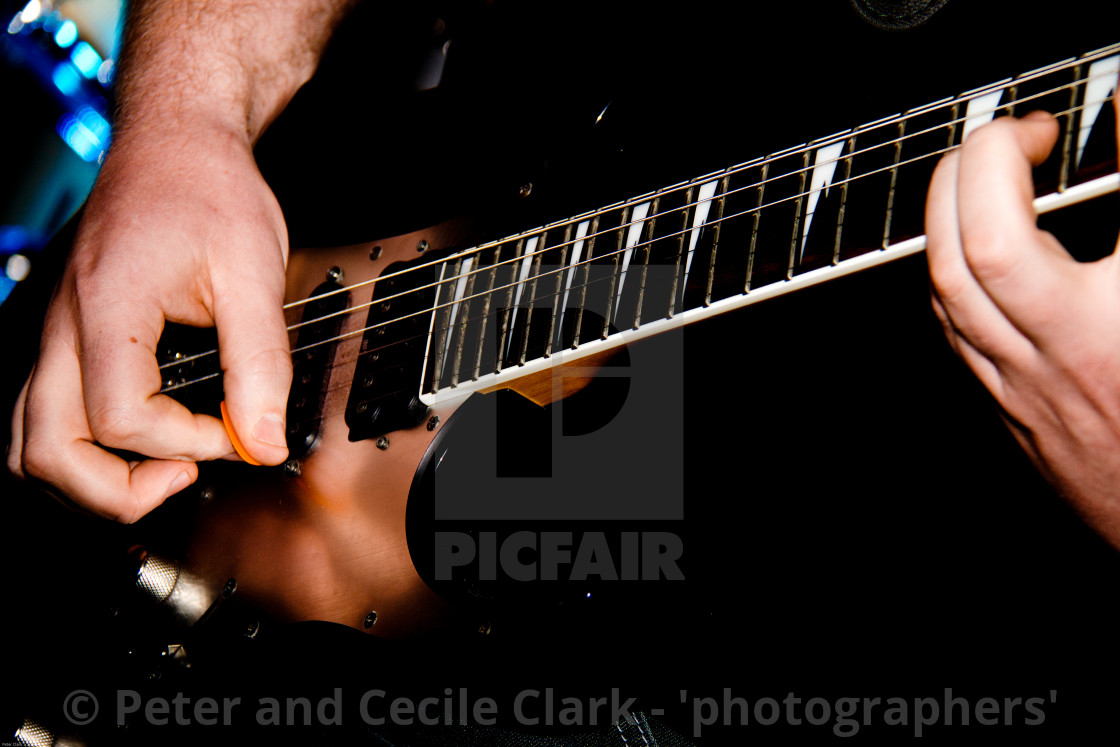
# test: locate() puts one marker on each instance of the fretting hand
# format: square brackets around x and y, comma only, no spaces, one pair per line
[1040,329]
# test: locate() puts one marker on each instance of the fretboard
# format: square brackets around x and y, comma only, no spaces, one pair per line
[731,238]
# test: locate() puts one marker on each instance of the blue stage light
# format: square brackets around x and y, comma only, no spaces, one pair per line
[66,35]
[86,59]
[105,73]
[95,123]
[7,285]
[86,132]
[66,78]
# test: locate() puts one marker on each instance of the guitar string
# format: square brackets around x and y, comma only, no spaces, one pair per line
[669,212]
[801,150]
[639,245]
[1060,67]
[506,363]
[501,360]
[673,211]
[539,232]
[329,408]
[798,151]
[466,300]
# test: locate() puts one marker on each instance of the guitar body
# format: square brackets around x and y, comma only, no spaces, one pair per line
[329,543]
[350,529]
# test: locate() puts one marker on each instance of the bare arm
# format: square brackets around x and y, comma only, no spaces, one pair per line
[180,227]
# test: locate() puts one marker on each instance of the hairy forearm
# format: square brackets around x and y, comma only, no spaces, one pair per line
[229,64]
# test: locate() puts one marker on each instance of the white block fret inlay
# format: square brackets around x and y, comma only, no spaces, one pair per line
[1100,85]
[526,265]
[523,275]
[637,223]
[824,168]
[699,218]
[577,253]
[980,111]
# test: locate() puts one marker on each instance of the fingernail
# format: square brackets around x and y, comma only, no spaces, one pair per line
[270,430]
[181,481]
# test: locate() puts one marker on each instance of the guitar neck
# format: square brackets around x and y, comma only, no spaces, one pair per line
[581,286]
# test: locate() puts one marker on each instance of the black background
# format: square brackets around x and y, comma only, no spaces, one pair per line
[857,520]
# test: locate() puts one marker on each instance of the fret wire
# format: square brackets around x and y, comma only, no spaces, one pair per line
[716,225]
[615,275]
[468,296]
[847,165]
[1067,139]
[594,230]
[536,271]
[443,328]
[894,181]
[429,341]
[648,246]
[556,293]
[797,215]
[1012,97]
[509,311]
[1033,75]
[680,249]
[955,113]
[754,228]
[486,314]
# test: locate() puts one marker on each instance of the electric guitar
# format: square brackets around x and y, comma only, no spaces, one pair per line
[403,347]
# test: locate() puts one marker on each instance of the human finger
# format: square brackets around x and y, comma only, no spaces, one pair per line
[121,383]
[1021,268]
[956,292]
[256,361]
[58,447]
[15,445]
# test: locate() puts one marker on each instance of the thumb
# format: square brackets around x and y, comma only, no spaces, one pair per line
[257,363]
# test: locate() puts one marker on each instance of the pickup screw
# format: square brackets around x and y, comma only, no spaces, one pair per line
[383,443]
[292,468]
[422,246]
[206,495]
[371,618]
[375,253]
[526,189]
[335,274]
[229,588]
[433,422]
